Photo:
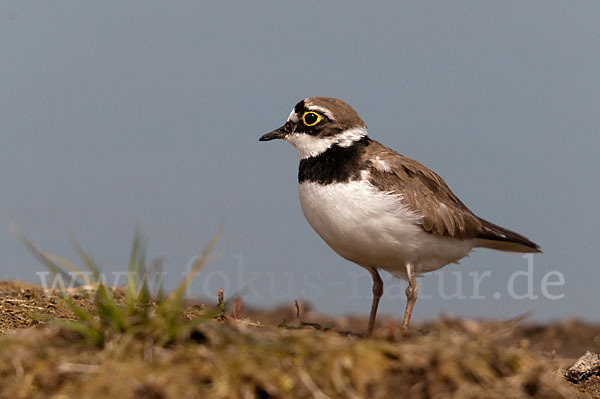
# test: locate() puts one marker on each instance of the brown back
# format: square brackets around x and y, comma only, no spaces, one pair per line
[426,193]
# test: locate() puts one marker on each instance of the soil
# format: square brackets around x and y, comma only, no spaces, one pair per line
[280,353]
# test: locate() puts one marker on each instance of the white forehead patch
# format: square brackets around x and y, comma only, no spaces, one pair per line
[293,116]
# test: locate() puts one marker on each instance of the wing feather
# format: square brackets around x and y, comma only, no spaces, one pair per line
[442,212]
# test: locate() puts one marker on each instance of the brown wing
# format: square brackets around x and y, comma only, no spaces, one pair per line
[427,194]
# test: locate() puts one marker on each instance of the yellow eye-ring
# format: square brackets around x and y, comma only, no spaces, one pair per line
[311,118]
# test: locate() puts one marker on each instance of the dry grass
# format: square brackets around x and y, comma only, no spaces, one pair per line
[247,359]
[101,342]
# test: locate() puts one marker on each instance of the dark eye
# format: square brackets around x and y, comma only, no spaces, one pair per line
[311,118]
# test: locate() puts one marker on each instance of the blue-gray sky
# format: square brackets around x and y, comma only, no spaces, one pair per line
[116,111]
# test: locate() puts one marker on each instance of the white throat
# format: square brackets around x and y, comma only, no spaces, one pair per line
[310,146]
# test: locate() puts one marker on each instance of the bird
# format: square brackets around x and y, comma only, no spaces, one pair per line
[377,208]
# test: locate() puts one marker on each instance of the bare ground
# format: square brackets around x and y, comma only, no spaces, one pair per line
[275,354]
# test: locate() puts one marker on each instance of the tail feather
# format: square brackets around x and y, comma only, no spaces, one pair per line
[496,237]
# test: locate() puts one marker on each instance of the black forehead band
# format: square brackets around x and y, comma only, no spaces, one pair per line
[299,107]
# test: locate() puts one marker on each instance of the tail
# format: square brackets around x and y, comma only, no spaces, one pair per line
[495,237]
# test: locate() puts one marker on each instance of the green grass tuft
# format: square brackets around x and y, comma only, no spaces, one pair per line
[140,313]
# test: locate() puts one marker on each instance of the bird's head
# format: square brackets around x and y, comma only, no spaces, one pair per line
[318,123]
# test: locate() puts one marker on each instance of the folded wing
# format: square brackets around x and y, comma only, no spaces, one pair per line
[426,193]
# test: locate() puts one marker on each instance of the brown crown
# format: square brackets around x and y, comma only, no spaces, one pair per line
[341,111]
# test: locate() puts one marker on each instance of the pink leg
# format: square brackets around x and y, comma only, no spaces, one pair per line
[411,295]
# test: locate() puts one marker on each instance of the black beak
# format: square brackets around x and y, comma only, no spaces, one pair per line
[275,134]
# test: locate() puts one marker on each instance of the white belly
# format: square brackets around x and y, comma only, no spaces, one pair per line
[375,229]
